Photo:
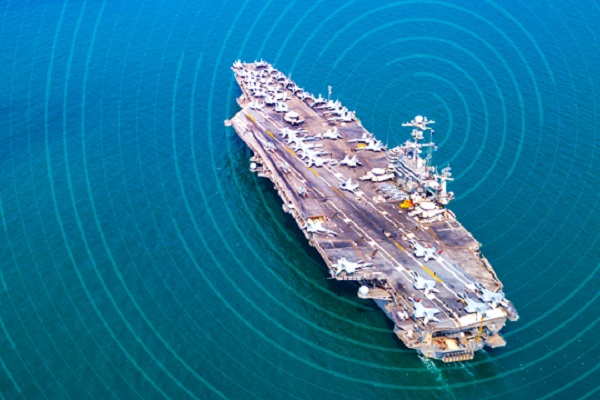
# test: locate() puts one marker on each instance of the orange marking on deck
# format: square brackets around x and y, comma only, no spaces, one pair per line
[398,246]
[290,151]
[430,272]
[314,172]
[250,117]
[270,134]
[337,191]
[360,254]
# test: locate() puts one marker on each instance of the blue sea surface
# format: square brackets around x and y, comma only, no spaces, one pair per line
[140,258]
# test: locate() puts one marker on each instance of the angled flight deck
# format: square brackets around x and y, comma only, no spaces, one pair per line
[377,216]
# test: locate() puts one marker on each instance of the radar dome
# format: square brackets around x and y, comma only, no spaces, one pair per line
[419,119]
[363,290]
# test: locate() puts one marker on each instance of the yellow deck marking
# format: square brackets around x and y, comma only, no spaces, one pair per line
[337,191]
[290,151]
[360,254]
[250,117]
[430,272]
[314,172]
[270,134]
[480,329]
[398,246]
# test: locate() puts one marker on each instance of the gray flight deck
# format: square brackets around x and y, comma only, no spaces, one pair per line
[365,226]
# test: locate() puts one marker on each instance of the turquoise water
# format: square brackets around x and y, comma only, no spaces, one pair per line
[141,259]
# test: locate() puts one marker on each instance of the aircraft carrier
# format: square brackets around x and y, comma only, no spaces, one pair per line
[377,216]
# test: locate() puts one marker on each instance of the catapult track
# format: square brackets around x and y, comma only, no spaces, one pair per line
[361,226]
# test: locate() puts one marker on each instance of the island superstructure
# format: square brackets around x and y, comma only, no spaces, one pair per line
[377,216]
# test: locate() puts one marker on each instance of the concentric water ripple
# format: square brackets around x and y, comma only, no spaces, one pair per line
[142,259]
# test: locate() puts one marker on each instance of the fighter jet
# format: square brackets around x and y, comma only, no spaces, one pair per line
[346,116]
[304,144]
[281,96]
[284,83]
[300,146]
[330,105]
[348,185]
[490,297]
[338,110]
[270,100]
[302,151]
[365,138]
[306,150]
[426,285]
[245,75]
[428,314]
[261,64]
[374,145]
[319,100]
[474,306]
[331,134]
[349,266]
[313,160]
[311,138]
[316,226]
[304,95]
[289,134]
[422,251]
[257,105]
[253,85]
[350,162]
[271,147]
[281,107]
[333,105]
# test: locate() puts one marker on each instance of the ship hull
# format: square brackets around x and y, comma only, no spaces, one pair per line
[372,233]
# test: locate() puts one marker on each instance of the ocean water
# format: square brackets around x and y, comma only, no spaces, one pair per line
[139,257]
